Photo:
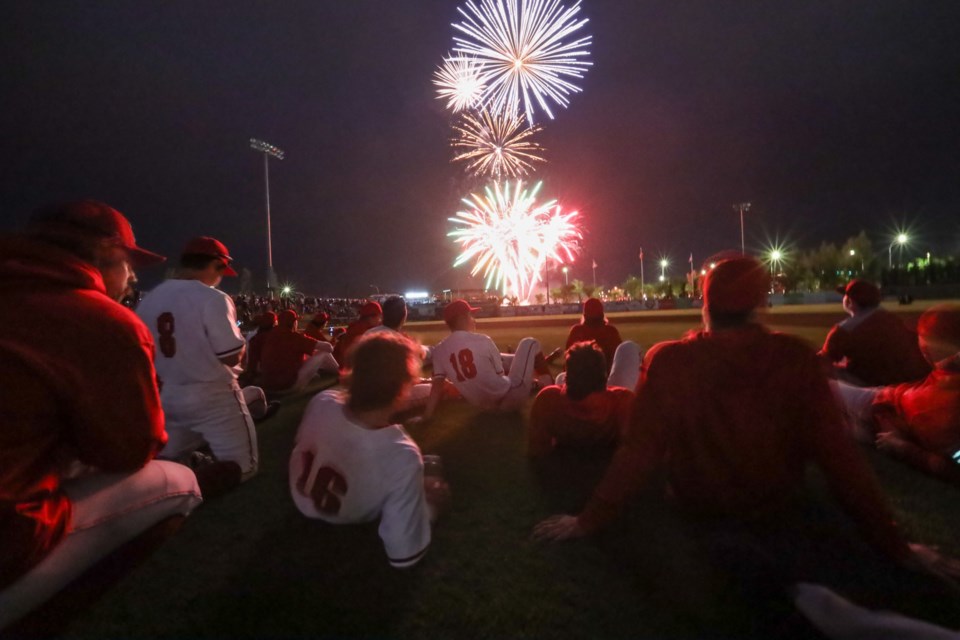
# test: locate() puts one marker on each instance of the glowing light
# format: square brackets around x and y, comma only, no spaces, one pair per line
[523,52]
[458,82]
[416,295]
[509,237]
[496,145]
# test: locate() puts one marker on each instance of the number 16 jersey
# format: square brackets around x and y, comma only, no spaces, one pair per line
[472,362]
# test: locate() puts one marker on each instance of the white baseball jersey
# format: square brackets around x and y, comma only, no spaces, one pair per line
[193,325]
[343,472]
[472,362]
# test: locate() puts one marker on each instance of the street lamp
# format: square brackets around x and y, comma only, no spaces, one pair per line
[775,257]
[664,263]
[566,276]
[901,240]
[268,150]
[742,206]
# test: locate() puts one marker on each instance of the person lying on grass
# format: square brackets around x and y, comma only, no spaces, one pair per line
[733,415]
[350,464]
[585,411]
[919,422]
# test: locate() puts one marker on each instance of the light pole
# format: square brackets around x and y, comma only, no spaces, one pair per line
[566,275]
[901,240]
[742,206]
[775,256]
[268,150]
[642,283]
[663,268]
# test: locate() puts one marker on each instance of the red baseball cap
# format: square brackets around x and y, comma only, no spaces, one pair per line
[266,320]
[865,294]
[320,318]
[736,285]
[207,246]
[287,319]
[456,309]
[92,218]
[592,309]
[371,309]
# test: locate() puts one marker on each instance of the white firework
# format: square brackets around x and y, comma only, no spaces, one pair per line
[496,145]
[523,52]
[509,236]
[458,82]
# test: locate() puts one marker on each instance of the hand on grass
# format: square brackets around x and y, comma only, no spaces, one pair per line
[559,527]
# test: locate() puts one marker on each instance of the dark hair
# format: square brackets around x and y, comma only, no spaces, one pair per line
[586,370]
[394,312]
[381,365]
[197,261]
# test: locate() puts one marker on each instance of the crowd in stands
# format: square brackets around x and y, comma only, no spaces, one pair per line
[120,425]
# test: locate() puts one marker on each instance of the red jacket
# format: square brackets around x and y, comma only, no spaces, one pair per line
[78,385]
[283,353]
[733,418]
[606,335]
[931,409]
[597,420]
[879,349]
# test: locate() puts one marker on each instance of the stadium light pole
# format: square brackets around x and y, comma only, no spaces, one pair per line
[566,275]
[742,206]
[268,150]
[901,240]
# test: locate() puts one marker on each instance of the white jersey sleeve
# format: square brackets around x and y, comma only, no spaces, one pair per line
[220,322]
[405,521]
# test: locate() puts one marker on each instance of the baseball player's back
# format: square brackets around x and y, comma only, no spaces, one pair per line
[345,472]
[472,362]
[193,325]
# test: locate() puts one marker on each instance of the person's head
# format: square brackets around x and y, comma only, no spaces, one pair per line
[732,292]
[859,295]
[939,332]
[287,320]
[97,234]
[593,312]
[206,259]
[383,367]
[371,313]
[394,312]
[586,370]
[266,321]
[459,316]
[320,319]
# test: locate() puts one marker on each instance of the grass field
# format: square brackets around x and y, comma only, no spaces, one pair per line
[248,565]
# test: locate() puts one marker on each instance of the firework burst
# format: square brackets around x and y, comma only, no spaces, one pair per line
[458,82]
[509,236]
[496,145]
[522,50]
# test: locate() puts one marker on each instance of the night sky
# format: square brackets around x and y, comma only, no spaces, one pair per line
[830,116]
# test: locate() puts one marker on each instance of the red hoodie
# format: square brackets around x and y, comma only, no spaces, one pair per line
[597,420]
[78,385]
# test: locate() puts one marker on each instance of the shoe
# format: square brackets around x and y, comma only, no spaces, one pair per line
[271,411]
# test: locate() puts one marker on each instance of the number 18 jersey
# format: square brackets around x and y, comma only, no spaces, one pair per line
[472,362]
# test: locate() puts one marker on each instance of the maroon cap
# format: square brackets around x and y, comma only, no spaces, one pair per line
[266,320]
[287,319]
[207,246]
[941,322]
[92,218]
[737,285]
[592,309]
[456,309]
[864,293]
[371,309]
[320,318]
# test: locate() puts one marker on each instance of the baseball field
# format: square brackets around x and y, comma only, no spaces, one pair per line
[248,565]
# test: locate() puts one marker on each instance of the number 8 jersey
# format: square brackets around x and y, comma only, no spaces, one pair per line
[472,362]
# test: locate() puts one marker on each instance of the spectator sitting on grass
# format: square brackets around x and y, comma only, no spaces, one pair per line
[394,317]
[872,347]
[350,464]
[290,359]
[918,422]
[371,315]
[732,416]
[585,411]
[594,326]
[317,327]
[81,420]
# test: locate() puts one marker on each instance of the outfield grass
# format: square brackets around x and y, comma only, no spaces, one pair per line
[249,565]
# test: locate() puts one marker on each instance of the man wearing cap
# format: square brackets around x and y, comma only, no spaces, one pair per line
[872,347]
[317,327]
[371,315]
[622,358]
[199,347]
[732,416]
[290,359]
[473,363]
[81,421]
